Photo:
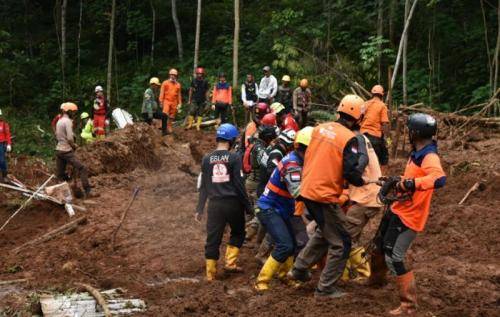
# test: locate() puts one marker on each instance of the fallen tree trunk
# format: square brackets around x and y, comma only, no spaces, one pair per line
[98,297]
[453,119]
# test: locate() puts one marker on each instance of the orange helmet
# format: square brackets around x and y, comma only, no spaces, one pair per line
[69,106]
[304,83]
[378,90]
[353,106]
[173,71]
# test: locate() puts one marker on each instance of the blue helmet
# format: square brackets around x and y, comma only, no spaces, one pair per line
[227,132]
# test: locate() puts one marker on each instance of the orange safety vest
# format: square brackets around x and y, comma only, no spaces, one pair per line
[415,212]
[367,195]
[170,95]
[322,175]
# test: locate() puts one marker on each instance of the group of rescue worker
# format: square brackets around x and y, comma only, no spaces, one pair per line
[306,193]
[164,100]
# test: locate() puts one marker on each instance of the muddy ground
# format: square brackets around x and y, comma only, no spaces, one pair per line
[456,260]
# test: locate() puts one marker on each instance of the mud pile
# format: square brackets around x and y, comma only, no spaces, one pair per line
[456,259]
[123,151]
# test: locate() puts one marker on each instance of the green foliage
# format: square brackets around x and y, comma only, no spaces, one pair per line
[447,61]
[370,53]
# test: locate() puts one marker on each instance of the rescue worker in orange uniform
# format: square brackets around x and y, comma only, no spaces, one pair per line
[376,125]
[100,113]
[404,219]
[331,160]
[170,100]
[222,98]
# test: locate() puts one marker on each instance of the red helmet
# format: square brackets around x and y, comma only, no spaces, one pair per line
[200,70]
[269,119]
[261,110]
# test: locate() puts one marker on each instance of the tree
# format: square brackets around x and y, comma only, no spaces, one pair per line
[110,49]
[78,56]
[405,60]
[177,29]
[63,45]
[400,50]
[236,40]
[380,34]
[496,110]
[197,37]
[153,31]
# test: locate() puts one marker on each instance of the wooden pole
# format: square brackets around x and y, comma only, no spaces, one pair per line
[124,214]
[54,233]
[27,201]
[400,50]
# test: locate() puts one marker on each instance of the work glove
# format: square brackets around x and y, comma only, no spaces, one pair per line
[179,108]
[106,122]
[9,148]
[212,107]
[406,185]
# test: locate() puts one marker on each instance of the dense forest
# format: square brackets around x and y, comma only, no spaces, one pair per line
[52,51]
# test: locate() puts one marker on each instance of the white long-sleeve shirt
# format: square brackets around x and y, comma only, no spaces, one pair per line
[268,87]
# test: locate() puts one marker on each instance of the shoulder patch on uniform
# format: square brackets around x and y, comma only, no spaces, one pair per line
[295,176]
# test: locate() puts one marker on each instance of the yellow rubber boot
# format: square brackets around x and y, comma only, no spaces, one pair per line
[232,254]
[357,265]
[285,267]
[211,269]
[270,268]
[189,122]
[198,123]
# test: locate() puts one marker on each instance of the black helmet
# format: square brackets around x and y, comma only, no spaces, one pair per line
[267,133]
[422,125]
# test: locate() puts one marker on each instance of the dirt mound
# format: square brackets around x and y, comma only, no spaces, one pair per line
[137,145]
[456,260]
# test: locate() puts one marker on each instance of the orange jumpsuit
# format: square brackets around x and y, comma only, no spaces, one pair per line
[170,97]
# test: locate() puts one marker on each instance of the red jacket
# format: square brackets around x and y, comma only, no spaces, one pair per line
[5,133]
[103,106]
[289,123]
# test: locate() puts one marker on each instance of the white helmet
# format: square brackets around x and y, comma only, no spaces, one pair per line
[0,112]
[288,136]
[98,88]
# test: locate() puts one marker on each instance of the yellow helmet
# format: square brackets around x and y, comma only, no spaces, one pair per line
[286,78]
[304,136]
[84,115]
[277,107]
[154,81]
